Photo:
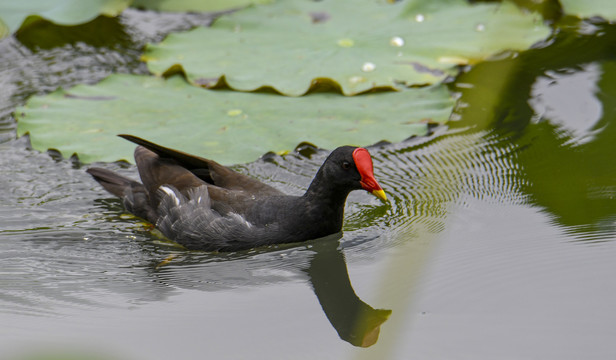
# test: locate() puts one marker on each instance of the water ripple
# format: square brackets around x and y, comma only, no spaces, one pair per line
[65,243]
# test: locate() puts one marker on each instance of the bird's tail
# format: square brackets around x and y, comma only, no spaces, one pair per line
[133,194]
[112,182]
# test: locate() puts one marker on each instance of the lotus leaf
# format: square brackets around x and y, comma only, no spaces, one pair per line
[357,45]
[232,127]
[16,14]
[589,8]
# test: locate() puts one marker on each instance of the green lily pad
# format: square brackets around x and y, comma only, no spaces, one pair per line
[231,127]
[195,5]
[358,45]
[18,14]
[4,30]
[589,8]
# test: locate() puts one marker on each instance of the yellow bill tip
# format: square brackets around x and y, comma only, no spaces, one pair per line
[380,194]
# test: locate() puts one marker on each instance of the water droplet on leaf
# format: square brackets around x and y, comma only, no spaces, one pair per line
[419,18]
[454,60]
[396,41]
[357,79]
[368,67]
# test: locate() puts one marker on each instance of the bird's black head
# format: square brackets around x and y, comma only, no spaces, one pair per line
[350,168]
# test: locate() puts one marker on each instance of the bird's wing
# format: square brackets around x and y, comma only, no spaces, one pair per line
[207,170]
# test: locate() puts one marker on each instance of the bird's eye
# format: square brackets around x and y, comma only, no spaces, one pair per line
[346,165]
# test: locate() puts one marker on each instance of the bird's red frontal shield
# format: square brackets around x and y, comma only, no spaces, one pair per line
[363,162]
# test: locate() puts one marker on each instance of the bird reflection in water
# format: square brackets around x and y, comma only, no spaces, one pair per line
[355,321]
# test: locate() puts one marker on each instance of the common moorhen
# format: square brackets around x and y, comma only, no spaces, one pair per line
[206,206]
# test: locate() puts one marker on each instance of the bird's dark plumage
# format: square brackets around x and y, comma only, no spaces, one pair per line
[204,205]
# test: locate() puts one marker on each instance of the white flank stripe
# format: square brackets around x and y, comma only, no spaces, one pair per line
[171,193]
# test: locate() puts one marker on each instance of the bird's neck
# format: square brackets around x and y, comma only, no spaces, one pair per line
[323,193]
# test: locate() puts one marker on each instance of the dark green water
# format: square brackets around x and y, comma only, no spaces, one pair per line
[498,244]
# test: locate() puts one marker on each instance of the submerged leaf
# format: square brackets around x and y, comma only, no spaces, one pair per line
[358,45]
[231,127]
